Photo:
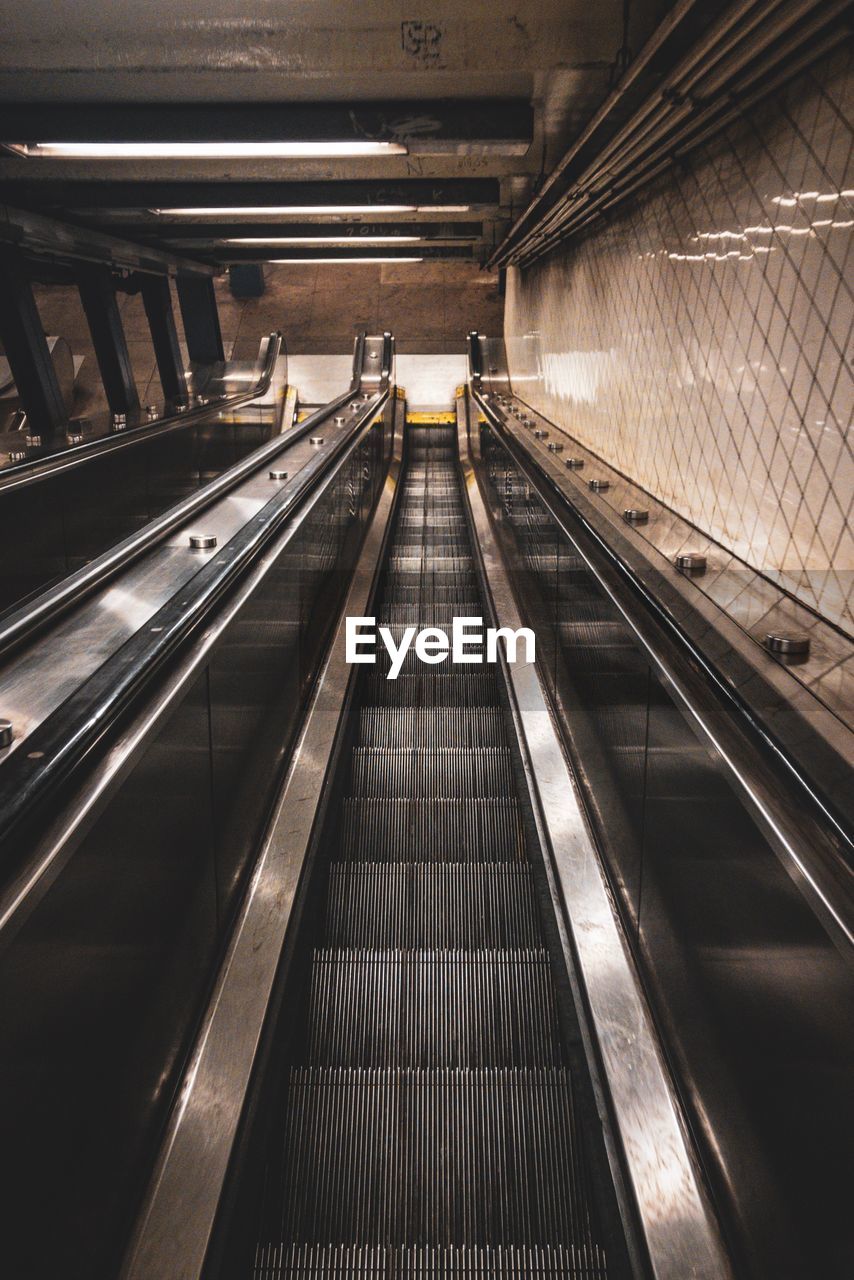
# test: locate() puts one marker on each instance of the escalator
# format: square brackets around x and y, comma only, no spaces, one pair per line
[358,978]
[420,1058]
[430,1122]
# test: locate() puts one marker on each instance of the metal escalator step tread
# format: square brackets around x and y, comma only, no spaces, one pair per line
[413,665]
[277,1261]
[441,906]
[444,688]
[439,1156]
[444,773]
[424,614]
[430,728]
[487,830]
[431,498]
[426,578]
[441,528]
[430,564]
[421,589]
[432,1009]
[424,541]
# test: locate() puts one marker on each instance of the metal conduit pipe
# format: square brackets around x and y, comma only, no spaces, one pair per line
[653,124]
[698,129]
[661,34]
[677,87]
[559,226]
[654,130]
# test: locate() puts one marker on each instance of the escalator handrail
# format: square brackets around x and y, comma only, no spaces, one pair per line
[20,624]
[32,470]
[827,878]
[475,356]
[66,737]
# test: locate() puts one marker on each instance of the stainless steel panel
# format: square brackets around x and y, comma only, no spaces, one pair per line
[97,993]
[184,1196]
[104,964]
[38,679]
[60,520]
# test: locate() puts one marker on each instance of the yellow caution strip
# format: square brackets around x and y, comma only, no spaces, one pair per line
[430,419]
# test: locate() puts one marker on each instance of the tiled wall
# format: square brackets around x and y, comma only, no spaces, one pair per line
[701,340]
[429,306]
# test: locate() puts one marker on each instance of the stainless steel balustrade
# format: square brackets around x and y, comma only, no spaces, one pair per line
[61,509]
[129,864]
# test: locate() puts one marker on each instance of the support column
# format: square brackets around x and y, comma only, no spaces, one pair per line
[98,295]
[197,297]
[157,300]
[27,351]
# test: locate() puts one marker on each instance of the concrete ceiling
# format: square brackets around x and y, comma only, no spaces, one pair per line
[558,56]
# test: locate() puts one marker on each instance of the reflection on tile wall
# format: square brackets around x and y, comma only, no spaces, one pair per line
[701,340]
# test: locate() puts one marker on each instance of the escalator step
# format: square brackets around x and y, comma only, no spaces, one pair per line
[427,1125]
[422,614]
[432,1009]
[419,589]
[444,528]
[428,581]
[427,544]
[432,905]
[407,1262]
[436,688]
[439,773]
[403,830]
[441,1155]
[431,728]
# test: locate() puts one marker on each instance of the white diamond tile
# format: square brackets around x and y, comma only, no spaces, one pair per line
[707,357]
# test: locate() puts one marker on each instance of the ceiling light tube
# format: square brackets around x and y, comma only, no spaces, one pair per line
[301,210]
[327,261]
[339,240]
[205,150]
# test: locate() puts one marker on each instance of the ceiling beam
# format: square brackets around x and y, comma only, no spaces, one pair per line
[491,126]
[202,232]
[322,253]
[475,193]
[34,235]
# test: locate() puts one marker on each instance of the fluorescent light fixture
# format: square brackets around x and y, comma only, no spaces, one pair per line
[298,210]
[326,261]
[339,240]
[206,150]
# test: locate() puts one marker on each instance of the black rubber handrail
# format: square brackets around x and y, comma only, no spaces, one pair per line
[20,624]
[33,470]
[57,746]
